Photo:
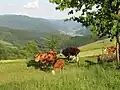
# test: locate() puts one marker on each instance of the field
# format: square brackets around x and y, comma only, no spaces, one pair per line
[17,76]
[95,48]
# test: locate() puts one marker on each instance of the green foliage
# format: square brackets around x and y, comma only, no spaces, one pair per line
[22,51]
[102,22]
[8,52]
[80,40]
[29,49]
[21,36]
[53,42]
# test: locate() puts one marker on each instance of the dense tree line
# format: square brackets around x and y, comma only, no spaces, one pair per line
[23,51]
[20,52]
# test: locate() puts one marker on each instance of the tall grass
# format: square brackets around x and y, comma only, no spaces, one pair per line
[16,76]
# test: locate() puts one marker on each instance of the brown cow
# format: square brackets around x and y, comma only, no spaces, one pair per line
[46,58]
[58,64]
[51,57]
[110,50]
[42,59]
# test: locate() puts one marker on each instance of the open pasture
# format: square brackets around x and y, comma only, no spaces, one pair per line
[17,76]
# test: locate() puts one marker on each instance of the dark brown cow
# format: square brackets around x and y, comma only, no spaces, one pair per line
[70,51]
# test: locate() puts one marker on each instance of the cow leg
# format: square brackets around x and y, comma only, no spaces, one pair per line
[53,72]
[68,57]
[78,60]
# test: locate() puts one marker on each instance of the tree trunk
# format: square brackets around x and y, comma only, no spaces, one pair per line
[118,49]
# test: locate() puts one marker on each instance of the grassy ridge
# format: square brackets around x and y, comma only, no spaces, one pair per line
[95,48]
[97,45]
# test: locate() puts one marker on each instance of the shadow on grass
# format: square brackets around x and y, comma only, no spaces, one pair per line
[37,65]
[89,64]
[104,65]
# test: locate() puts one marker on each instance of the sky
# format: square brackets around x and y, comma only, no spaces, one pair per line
[33,8]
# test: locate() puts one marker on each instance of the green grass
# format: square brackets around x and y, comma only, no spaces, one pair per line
[97,45]
[95,48]
[12,61]
[16,76]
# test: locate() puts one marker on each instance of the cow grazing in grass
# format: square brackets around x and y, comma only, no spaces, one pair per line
[58,64]
[41,58]
[106,58]
[51,57]
[46,58]
[71,51]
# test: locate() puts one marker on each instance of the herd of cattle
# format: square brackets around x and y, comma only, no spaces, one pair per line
[50,58]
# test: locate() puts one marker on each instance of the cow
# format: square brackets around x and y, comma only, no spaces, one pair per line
[58,64]
[46,58]
[106,58]
[71,51]
[110,50]
[41,58]
[49,59]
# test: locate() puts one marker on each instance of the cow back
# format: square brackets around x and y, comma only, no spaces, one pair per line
[70,51]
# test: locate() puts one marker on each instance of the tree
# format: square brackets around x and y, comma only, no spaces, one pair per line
[29,49]
[103,21]
[52,42]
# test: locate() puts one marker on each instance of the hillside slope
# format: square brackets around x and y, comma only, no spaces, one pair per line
[25,22]
[95,48]
[16,36]
[7,44]
[42,25]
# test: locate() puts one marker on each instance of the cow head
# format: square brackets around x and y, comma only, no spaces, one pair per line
[60,55]
[37,57]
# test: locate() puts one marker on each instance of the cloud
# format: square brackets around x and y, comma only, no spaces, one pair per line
[32,5]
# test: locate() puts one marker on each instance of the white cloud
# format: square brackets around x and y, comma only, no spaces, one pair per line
[34,4]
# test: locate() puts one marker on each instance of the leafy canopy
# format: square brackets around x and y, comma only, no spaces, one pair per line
[104,21]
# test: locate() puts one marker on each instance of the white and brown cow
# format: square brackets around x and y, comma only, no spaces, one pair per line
[71,51]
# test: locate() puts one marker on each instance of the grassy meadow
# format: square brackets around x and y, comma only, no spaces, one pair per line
[17,76]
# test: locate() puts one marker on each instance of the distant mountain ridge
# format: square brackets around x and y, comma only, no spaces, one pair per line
[25,22]
[42,25]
